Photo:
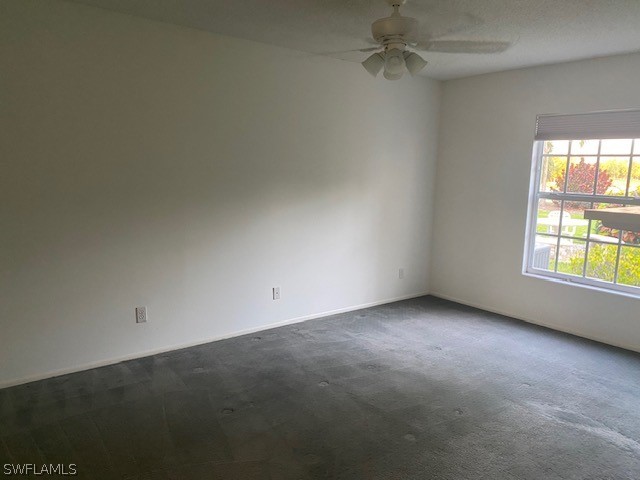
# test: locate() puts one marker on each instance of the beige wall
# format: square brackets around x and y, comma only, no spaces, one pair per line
[147,164]
[486,134]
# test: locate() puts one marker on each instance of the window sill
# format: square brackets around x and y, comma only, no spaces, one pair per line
[579,282]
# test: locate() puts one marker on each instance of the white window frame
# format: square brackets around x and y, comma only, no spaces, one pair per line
[535,195]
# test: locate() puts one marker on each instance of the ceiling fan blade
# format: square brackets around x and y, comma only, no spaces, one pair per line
[370,49]
[362,50]
[462,46]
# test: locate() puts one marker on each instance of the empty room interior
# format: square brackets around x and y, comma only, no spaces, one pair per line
[341,239]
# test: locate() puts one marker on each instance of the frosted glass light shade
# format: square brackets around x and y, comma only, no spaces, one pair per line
[414,62]
[394,62]
[392,76]
[374,64]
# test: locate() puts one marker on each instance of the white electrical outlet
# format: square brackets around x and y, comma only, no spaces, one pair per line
[276,293]
[141,314]
[401,273]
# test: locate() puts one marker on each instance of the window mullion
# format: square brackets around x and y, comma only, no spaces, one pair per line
[566,175]
[633,149]
[586,247]
[615,271]
[595,183]
[555,266]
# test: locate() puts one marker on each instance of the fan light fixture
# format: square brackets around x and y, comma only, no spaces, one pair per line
[393,34]
[414,62]
[395,62]
[374,64]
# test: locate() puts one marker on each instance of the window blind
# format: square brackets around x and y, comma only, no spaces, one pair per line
[609,124]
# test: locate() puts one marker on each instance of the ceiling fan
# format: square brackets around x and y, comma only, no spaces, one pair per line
[395,33]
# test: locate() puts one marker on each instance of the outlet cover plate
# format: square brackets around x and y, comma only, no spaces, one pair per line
[141,314]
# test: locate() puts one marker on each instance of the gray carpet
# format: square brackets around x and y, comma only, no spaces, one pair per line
[420,389]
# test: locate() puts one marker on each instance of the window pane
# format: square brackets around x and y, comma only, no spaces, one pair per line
[545,223]
[556,147]
[571,257]
[544,252]
[552,174]
[601,261]
[601,233]
[629,267]
[616,147]
[584,147]
[634,184]
[612,176]
[582,175]
[631,238]
[636,148]
[573,221]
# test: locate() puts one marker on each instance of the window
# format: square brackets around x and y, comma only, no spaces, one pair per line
[581,162]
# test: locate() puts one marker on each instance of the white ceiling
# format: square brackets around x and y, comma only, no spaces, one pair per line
[542,31]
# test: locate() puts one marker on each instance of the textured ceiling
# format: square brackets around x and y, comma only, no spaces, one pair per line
[542,31]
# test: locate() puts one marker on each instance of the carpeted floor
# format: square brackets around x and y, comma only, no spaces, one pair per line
[420,389]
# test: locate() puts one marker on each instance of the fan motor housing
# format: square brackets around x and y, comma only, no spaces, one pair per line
[395,28]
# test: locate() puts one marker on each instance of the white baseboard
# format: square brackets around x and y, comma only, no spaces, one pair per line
[633,348]
[133,356]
